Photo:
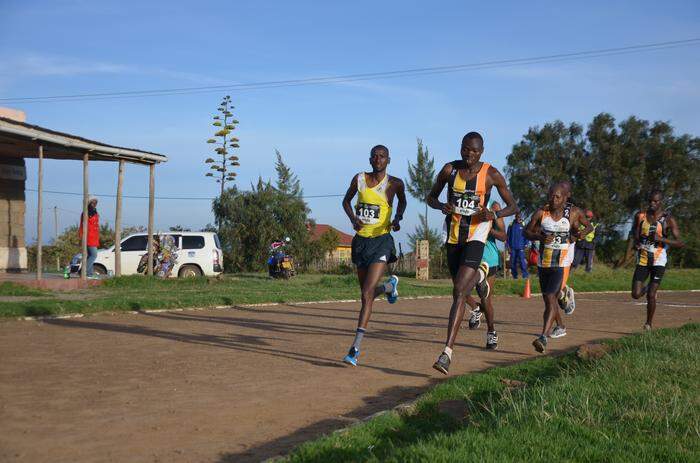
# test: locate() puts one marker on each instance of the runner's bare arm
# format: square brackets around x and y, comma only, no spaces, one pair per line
[499,230]
[499,182]
[433,198]
[347,207]
[676,241]
[637,228]
[532,233]
[401,207]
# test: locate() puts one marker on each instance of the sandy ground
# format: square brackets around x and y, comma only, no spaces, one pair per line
[245,384]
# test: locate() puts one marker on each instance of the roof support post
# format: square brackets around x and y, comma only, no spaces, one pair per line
[84,221]
[40,212]
[151,197]
[118,222]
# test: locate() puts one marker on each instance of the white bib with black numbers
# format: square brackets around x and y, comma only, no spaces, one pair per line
[467,203]
[560,230]
[368,214]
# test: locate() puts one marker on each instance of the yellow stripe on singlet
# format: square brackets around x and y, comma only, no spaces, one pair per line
[460,184]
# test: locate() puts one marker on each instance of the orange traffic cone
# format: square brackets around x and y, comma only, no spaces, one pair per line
[526,292]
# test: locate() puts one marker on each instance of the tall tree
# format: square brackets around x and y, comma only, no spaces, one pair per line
[287,181]
[250,220]
[421,176]
[544,156]
[224,145]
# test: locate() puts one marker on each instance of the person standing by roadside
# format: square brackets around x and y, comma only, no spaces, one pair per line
[93,236]
[516,245]
[585,248]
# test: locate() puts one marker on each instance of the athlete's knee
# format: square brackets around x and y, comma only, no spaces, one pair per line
[461,289]
[367,294]
[651,294]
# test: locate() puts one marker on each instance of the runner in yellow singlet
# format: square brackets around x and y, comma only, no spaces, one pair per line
[373,246]
[654,232]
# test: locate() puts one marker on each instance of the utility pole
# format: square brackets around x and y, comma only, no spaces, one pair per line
[55,236]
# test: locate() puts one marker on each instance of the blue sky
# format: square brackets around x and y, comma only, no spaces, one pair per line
[325,131]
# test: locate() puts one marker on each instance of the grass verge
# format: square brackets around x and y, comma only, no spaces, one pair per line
[140,293]
[638,403]
[12,289]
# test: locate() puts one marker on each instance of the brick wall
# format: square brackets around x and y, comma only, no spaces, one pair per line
[13,254]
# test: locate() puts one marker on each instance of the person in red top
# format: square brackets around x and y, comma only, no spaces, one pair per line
[93,235]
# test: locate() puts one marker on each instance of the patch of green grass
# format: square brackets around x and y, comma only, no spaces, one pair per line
[604,278]
[142,293]
[13,289]
[637,404]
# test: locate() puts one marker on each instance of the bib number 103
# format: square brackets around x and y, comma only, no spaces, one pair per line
[367,213]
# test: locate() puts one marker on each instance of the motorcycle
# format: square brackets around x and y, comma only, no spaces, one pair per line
[280,264]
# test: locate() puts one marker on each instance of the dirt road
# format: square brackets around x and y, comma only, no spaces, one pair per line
[244,384]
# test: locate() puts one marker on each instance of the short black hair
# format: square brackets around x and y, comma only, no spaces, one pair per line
[471,135]
[566,184]
[379,147]
[655,192]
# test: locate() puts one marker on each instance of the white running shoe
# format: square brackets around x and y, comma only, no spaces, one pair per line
[558,332]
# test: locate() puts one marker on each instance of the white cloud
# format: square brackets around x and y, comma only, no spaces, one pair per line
[41,65]
[374,86]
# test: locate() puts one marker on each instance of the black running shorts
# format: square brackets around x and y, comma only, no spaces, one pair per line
[468,254]
[367,251]
[642,272]
[550,279]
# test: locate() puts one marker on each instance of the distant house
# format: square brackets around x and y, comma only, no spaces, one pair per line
[343,250]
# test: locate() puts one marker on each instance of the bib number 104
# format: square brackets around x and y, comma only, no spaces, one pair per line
[466,204]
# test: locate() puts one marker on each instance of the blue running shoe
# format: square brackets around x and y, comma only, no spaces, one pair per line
[351,358]
[394,294]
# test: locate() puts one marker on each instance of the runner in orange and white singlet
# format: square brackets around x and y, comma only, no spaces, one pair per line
[652,233]
[566,297]
[553,226]
[467,223]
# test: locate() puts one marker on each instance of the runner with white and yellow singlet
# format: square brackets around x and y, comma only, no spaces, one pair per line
[373,246]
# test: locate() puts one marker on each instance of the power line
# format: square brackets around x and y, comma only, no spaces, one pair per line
[201,198]
[67,210]
[363,76]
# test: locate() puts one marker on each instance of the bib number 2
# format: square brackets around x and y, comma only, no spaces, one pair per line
[368,214]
